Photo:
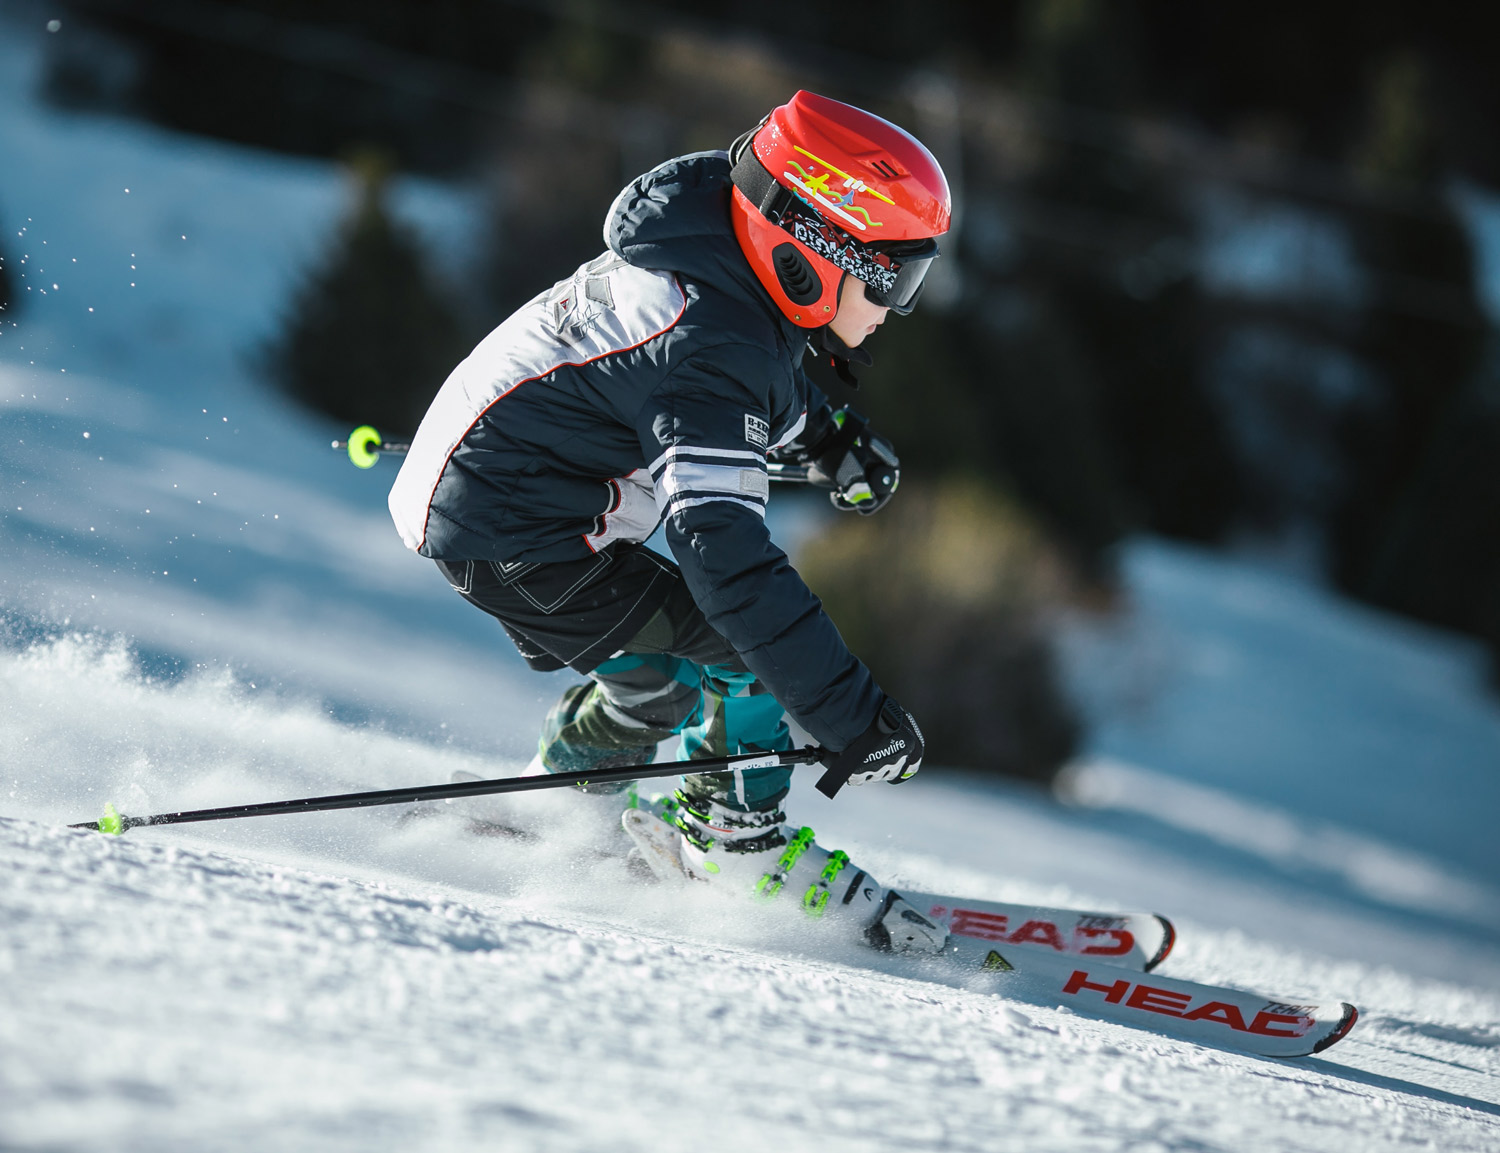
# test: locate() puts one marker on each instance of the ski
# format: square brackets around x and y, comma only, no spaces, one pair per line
[1095,964]
[1207,1014]
[1128,940]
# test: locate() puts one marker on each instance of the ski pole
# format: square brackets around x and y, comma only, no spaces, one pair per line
[366,446]
[114,822]
[790,473]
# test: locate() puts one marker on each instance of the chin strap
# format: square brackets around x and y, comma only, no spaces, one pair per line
[840,355]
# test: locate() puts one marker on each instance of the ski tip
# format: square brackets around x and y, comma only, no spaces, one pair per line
[1341,1030]
[1168,939]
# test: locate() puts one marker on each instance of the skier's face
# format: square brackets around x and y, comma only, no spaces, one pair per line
[858,315]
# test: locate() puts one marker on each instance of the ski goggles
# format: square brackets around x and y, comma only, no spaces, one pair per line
[892,273]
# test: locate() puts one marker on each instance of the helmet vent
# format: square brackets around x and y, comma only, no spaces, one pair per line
[797,279]
[886,169]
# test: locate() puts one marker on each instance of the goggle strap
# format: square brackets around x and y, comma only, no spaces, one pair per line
[759,186]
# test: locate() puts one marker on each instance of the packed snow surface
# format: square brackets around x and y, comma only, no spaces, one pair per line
[203,606]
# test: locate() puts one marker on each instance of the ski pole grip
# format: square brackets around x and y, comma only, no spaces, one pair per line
[831,782]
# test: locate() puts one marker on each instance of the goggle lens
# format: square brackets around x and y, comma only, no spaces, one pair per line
[901,296]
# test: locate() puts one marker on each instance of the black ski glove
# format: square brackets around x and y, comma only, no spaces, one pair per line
[889,750]
[861,467]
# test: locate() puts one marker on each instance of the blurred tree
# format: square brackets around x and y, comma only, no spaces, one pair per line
[1439,557]
[1305,68]
[370,336]
[1069,366]
[553,190]
[1424,458]
[996,388]
[428,80]
[582,50]
[424,82]
[946,596]
[1111,251]
[596,111]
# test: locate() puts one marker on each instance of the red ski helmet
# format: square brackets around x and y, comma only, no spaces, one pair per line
[822,189]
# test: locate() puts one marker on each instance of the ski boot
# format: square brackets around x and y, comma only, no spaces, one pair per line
[580,735]
[756,853]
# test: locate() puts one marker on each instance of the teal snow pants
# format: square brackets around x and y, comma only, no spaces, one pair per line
[676,676]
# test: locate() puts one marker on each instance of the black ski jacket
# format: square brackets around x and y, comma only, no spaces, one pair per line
[649,385]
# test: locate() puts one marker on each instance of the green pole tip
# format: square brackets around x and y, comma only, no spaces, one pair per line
[111,822]
[363,442]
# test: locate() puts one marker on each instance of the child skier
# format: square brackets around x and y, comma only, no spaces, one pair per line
[653,386]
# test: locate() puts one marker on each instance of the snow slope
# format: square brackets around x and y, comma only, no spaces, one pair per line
[385,980]
[1305,787]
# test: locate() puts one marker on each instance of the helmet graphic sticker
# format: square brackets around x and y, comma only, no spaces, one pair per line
[816,186]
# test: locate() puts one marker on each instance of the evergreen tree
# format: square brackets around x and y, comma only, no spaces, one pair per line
[370,336]
[1070,369]
[1439,554]
[1110,262]
[1419,527]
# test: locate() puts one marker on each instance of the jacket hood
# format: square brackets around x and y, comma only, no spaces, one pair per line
[675,218]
